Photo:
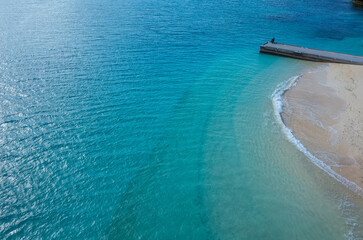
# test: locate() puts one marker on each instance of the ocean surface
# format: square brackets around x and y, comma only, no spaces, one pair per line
[154,119]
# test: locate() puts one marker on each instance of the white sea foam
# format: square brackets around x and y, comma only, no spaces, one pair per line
[278,105]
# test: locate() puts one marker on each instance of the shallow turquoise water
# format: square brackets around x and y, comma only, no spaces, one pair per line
[153,120]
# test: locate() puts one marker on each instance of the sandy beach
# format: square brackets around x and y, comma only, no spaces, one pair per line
[325,112]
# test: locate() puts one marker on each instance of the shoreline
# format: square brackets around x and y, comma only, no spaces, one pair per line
[301,141]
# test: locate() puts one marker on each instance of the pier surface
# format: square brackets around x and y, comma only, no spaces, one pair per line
[309,54]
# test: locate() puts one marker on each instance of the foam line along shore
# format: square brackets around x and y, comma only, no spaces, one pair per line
[319,112]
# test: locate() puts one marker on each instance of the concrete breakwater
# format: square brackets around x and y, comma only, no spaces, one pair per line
[309,54]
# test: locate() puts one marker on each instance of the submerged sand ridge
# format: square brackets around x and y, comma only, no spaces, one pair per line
[325,112]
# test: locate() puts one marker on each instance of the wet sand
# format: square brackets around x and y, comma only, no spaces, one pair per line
[324,110]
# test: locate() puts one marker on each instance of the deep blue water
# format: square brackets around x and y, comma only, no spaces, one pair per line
[153,120]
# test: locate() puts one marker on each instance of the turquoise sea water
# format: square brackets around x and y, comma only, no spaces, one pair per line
[153,120]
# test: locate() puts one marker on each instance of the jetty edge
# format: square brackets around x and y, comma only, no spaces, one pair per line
[309,54]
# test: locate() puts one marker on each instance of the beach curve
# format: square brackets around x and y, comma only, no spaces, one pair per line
[280,105]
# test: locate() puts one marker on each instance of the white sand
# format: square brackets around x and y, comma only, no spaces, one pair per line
[325,112]
[347,80]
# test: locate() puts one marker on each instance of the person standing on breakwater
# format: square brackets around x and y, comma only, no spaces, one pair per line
[273,40]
